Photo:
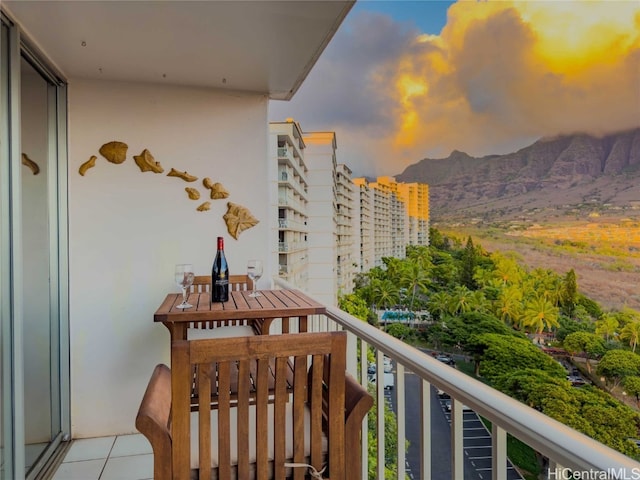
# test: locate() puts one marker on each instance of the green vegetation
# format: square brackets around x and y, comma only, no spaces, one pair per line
[390,442]
[500,313]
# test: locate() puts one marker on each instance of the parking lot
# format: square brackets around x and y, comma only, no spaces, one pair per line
[477,441]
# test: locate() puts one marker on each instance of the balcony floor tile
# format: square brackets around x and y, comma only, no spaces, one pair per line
[90,449]
[81,470]
[125,457]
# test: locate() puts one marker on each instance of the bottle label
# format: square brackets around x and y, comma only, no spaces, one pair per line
[222,281]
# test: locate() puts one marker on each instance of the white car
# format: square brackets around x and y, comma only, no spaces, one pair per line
[388,366]
[447,406]
[389,380]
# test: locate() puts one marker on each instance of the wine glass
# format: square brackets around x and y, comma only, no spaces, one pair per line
[184,279]
[254,271]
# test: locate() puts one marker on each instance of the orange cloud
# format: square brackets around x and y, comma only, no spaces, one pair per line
[507,72]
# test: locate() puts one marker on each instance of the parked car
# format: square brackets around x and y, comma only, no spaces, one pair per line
[388,366]
[446,359]
[443,394]
[389,380]
[447,406]
[576,380]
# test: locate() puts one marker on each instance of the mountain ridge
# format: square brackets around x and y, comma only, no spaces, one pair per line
[567,172]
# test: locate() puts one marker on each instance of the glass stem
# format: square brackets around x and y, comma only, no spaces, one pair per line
[184,295]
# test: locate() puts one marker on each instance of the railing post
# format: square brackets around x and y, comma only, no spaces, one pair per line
[560,443]
[499,452]
[400,415]
[364,364]
[380,414]
[457,439]
[425,434]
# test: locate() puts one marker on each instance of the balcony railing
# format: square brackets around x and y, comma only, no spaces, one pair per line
[564,447]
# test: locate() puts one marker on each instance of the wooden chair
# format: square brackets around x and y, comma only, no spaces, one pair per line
[311,414]
[198,330]
[202,283]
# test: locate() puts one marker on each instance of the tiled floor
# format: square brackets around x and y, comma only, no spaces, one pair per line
[125,457]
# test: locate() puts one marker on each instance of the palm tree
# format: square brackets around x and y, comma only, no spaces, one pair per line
[385,293]
[479,301]
[631,333]
[486,277]
[508,306]
[548,283]
[393,266]
[413,277]
[438,304]
[540,313]
[607,326]
[507,269]
[420,255]
[461,300]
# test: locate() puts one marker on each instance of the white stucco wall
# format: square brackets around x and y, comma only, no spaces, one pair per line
[128,229]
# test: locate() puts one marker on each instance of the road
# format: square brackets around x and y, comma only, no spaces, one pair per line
[477,441]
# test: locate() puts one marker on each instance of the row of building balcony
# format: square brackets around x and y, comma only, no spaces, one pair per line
[289,181]
[285,153]
[288,247]
[291,202]
[287,173]
[289,224]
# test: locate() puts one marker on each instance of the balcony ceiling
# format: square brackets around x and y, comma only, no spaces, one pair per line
[254,46]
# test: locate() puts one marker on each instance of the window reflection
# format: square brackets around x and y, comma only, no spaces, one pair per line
[37,333]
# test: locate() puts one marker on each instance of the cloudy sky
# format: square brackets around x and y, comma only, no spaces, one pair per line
[404,80]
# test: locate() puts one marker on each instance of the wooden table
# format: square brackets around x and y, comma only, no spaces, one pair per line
[260,311]
[272,304]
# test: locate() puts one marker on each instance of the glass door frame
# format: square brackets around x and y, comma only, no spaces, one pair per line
[11,277]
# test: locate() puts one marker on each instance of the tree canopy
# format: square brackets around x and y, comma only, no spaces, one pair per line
[488,305]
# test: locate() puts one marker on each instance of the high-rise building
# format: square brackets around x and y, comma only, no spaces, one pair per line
[396,216]
[346,263]
[392,215]
[330,226]
[320,157]
[416,198]
[287,147]
[364,224]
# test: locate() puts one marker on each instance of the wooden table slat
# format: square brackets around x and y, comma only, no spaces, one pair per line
[273,304]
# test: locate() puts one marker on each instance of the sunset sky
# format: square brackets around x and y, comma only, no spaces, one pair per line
[405,80]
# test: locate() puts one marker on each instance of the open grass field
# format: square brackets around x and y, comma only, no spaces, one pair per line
[604,253]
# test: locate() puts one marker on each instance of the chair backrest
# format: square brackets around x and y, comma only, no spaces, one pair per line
[155,422]
[278,399]
[202,283]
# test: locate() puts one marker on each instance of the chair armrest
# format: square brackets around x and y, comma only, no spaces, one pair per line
[358,402]
[154,417]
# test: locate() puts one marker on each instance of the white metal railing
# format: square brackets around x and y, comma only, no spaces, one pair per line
[293,160]
[564,447]
[287,223]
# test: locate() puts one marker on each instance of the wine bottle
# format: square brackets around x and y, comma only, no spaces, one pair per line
[220,275]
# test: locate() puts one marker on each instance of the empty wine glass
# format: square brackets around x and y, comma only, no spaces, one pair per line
[254,271]
[184,279]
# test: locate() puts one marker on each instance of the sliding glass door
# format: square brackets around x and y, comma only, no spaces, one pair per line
[34,333]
